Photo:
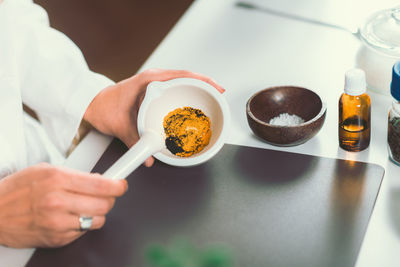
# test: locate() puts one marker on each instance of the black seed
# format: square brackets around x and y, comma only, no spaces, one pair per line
[199,113]
[173,145]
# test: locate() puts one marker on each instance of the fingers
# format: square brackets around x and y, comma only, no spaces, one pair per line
[64,230]
[86,204]
[164,75]
[187,74]
[57,239]
[149,162]
[95,184]
[97,222]
[63,222]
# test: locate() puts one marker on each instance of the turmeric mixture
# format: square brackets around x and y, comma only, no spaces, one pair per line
[188,131]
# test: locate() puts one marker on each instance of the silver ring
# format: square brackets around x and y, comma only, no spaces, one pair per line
[85,223]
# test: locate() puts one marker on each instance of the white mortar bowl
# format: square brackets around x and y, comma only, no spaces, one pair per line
[164,97]
[160,99]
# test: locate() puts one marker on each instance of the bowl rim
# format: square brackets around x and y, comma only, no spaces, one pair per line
[319,115]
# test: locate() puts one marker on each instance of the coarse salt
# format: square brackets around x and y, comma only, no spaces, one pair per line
[285,119]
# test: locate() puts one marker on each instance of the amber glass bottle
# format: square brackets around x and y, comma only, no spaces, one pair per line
[354,113]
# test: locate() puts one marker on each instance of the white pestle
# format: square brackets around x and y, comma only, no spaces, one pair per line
[162,98]
[149,143]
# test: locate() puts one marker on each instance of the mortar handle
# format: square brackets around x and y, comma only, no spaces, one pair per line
[149,143]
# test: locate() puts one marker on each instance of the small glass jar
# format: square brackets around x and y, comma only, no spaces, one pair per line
[394,117]
[394,132]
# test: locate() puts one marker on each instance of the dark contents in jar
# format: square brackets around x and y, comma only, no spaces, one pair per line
[394,138]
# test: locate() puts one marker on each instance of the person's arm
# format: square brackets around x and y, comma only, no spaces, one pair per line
[40,205]
[55,79]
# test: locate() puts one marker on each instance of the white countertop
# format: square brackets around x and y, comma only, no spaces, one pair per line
[246,51]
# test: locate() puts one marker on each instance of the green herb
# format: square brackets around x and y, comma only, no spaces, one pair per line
[183,254]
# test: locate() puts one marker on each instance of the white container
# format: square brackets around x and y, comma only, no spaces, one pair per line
[381,48]
[377,67]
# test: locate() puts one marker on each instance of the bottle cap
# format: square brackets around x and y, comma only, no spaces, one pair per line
[395,86]
[355,82]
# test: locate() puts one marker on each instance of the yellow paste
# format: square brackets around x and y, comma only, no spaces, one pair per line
[188,131]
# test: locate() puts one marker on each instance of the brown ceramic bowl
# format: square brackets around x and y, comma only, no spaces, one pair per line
[269,103]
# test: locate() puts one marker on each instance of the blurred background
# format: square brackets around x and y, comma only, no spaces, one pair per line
[116,37]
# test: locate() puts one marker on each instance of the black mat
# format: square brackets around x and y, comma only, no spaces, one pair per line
[269,208]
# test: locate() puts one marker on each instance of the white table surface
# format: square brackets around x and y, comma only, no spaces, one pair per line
[246,51]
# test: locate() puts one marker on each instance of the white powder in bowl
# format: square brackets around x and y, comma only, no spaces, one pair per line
[285,119]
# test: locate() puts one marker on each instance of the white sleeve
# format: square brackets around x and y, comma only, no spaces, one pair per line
[55,79]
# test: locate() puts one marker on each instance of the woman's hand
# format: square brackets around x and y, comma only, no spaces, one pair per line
[114,110]
[40,205]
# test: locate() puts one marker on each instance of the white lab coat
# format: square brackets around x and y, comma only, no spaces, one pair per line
[44,69]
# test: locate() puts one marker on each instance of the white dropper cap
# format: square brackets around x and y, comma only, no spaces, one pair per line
[355,82]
